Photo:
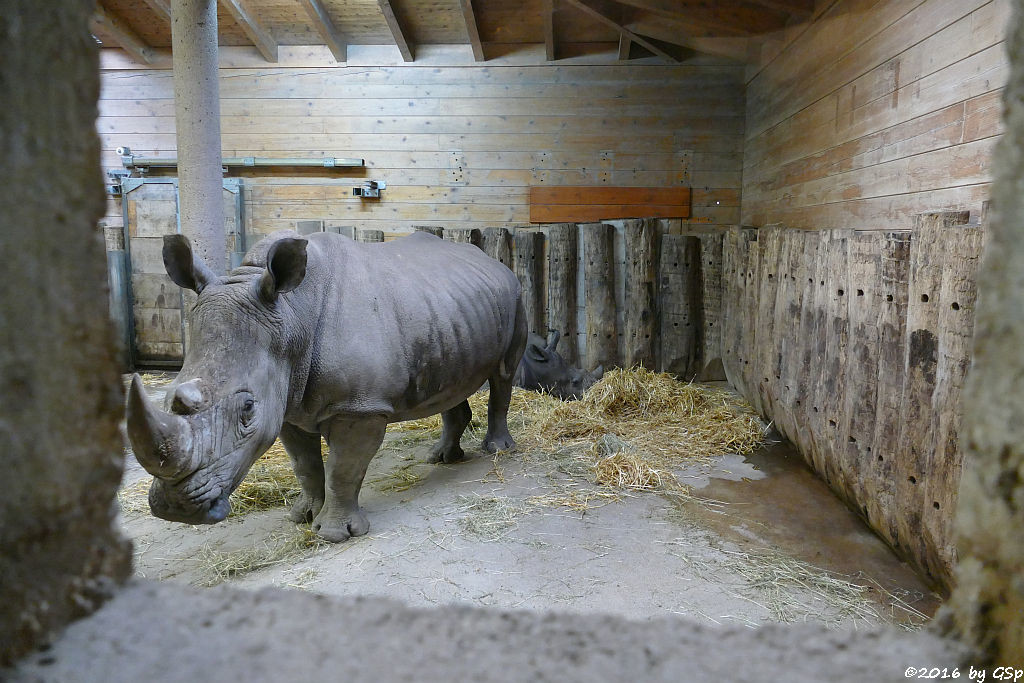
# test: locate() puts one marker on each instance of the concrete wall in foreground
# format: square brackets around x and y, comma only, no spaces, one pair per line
[60,449]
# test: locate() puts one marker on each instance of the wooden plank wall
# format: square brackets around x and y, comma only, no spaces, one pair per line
[874,112]
[856,345]
[458,143]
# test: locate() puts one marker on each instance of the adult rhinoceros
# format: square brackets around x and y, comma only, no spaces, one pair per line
[324,336]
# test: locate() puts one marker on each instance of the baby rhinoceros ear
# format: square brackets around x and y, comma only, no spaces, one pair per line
[286,267]
[185,267]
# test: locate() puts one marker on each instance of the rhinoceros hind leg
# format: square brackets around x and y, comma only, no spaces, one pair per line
[454,423]
[304,450]
[498,437]
[353,444]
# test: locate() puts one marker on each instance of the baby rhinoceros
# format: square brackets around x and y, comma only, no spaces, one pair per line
[324,336]
[543,369]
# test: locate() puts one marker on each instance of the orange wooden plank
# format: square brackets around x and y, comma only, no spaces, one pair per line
[585,195]
[568,213]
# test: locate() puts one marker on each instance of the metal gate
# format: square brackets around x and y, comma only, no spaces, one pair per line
[152,307]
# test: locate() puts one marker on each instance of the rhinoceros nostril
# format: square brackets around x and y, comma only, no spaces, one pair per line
[187,398]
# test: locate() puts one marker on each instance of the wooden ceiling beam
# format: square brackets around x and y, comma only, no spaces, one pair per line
[735,48]
[260,37]
[586,8]
[550,46]
[326,29]
[127,39]
[161,7]
[799,9]
[472,30]
[721,18]
[396,29]
[624,44]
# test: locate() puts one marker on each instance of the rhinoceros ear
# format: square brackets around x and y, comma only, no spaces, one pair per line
[185,267]
[536,352]
[286,267]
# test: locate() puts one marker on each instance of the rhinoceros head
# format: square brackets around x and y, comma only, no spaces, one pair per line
[553,374]
[227,405]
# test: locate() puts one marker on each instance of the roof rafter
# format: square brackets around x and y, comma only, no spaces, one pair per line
[731,47]
[396,29]
[725,18]
[605,19]
[325,27]
[800,9]
[550,46]
[624,44]
[472,29]
[104,22]
[252,28]
[161,7]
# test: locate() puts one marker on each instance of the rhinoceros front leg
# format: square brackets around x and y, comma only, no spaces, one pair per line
[453,424]
[352,443]
[304,450]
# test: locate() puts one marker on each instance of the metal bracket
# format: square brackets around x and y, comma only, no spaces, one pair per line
[369,189]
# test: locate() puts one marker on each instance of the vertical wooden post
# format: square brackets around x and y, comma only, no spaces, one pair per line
[640,313]
[363,235]
[528,261]
[497,243]
[680,305]
[562,268]
[599,294]
[892,325]
[435,230]
[711,313]
[469,235]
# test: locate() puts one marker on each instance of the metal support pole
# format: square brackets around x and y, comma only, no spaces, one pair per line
[197,115]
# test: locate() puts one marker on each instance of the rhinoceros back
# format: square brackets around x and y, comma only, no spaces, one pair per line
[410,326]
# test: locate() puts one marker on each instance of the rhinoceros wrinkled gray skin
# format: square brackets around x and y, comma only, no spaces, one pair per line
[543,369]
[325,336]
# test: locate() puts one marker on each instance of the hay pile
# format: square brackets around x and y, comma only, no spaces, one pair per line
[218,566]
[658,422]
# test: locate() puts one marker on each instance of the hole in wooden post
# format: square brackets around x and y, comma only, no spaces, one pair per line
[860,292]
[853,440]
[912,479]
[888,297]
[955,306]
[815,409]
[841,292]
[831,423]
[924,298]
[936,505]
[880,458]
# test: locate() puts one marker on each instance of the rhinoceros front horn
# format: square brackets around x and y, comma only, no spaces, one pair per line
[162,442]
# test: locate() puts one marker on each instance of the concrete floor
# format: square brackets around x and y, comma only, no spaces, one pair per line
[482,533]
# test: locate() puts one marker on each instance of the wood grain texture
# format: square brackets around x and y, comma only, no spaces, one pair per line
[680,306]
[562,268]
[599,294]
[528,265]
[459,145]
[876,112]
[639,314]
[862,344]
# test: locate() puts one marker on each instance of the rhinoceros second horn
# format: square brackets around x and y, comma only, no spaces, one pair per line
[162,442]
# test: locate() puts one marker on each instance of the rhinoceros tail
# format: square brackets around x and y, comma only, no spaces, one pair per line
[513,354]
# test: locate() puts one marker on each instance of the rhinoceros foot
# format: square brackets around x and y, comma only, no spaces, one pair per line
[305,509]
[340,526]
[498,442]
[446,453]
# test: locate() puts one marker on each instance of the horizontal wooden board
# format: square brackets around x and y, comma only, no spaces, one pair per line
[587,204]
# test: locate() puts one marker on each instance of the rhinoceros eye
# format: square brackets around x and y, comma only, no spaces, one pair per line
[248,410]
